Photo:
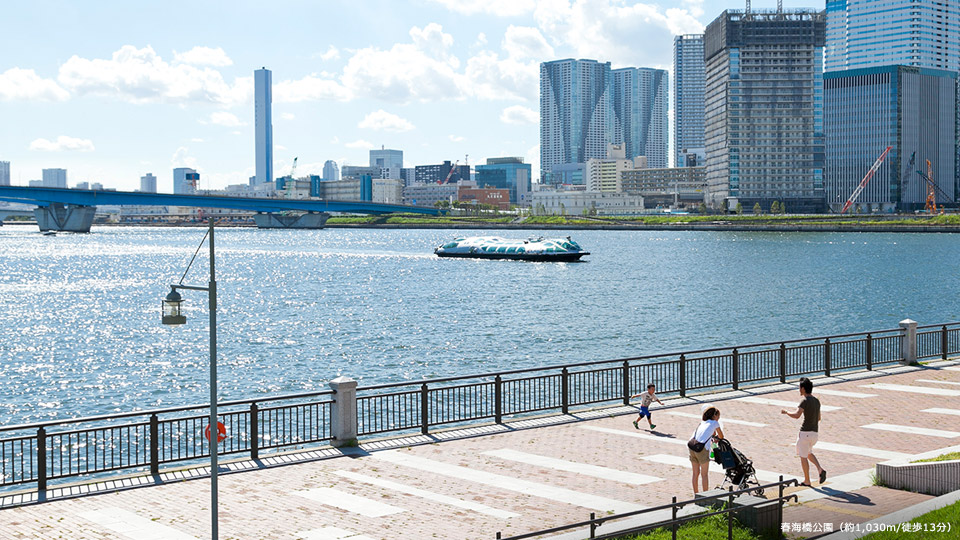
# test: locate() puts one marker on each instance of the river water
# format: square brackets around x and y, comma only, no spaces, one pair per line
[80,330]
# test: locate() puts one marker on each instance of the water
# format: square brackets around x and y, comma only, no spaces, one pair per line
[80,330]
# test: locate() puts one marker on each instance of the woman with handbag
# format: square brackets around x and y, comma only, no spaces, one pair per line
[699,449]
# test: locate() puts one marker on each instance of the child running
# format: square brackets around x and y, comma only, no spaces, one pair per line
[648,397]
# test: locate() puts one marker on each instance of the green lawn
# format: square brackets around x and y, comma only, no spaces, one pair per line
[941,457]
[946,515]
[713,527]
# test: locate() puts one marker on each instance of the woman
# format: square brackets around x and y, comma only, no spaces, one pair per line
[700,461]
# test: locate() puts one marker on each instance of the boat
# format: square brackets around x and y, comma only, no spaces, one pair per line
[493,247]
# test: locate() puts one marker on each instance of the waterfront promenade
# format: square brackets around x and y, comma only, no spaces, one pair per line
[532,474]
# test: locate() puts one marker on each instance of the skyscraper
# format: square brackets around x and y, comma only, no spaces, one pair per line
[921,33]
[390,162]
[4,173]
[263,104]
[185,180]
[763,112]
[331,173]
[576,121]
[55,178]
[148,183]
[689,75]
[640,102]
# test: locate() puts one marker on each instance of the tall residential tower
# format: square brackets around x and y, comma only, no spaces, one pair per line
[639,102]
[689,76]
[763,109]
[4,173]
[263,103]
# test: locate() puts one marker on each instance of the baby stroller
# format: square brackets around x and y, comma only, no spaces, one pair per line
[737,467]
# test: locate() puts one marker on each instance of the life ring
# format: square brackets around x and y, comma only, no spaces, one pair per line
[221,432]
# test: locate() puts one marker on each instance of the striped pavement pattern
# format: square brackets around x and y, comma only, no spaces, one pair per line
[130,525]
[913,389]
[349,502]
[842,393]
[937,410]
[679,461]
[722,420]
[914,430]
[596,471]
[782,403]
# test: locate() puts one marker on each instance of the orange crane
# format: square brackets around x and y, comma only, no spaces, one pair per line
[866,178]
[450,174]
[931,205]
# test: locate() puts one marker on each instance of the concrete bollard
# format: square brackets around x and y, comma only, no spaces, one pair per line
[908,346]
[343,412]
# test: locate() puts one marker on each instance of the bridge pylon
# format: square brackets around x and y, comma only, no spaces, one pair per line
[65,217]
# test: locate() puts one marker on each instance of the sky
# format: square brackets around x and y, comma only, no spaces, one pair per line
[113,90]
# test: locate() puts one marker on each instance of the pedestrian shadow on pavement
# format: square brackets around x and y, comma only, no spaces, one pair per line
[848,497]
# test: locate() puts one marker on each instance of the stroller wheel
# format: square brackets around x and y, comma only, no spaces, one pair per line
[760,492]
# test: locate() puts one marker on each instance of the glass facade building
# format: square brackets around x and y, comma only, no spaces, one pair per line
[4,173]
[575,113]
[640,101]
[263,118]
[689,77]
[907,108]
[509,173]
[921,33]
[763,109]
[331,172]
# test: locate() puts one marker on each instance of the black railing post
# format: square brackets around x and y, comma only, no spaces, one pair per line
[424,410]
[783,362]
[593,525]
[826,357]
[943,342]
[869,352]
[683,375]
[565,390]
[730,516]
[673,518]
[41,460]
[154,445]
[736,370]
[626,382]
[498,399]
[780,503]
[254,431]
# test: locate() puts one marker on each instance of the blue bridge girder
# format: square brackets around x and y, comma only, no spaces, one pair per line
[44,196]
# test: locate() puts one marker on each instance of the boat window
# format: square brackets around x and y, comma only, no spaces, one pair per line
[449,245]
[521,250]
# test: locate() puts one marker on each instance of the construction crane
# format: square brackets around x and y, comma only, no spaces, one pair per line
[450,174]
[294,168]
[866,178]
[932,188]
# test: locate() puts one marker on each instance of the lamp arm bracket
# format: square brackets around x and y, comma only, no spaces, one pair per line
[189,287]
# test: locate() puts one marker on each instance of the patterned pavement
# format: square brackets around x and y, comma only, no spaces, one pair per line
[530,475]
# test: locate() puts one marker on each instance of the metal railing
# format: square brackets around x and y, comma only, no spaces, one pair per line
[675,522]
[145,441]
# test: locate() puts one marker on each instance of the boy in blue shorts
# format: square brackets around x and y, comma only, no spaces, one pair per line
[648,398]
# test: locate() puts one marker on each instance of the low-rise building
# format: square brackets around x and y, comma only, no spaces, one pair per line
[576,203]
[666,187]
[499,198]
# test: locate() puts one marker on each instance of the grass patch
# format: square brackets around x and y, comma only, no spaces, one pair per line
[948,514]
[941,457]
[706,528]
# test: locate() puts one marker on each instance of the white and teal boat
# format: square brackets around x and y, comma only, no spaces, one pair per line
[493,247]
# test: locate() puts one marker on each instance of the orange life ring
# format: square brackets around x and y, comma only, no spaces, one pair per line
[221,432]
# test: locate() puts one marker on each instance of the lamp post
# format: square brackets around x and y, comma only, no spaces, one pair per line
[172,315]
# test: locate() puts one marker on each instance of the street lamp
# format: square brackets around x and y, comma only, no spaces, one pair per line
[173,316]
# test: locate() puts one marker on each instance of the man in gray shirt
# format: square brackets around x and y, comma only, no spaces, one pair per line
[809,408]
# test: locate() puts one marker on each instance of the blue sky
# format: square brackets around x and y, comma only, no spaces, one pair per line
[113,90]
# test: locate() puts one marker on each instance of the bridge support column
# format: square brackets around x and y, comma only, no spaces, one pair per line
[60,217]
[312,220]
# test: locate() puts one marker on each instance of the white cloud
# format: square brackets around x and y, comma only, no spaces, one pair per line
[381,120]
[196,139]
[524,42]
[360,143]
[204,56]
[332,54]
[456,138]
[287,116]
[62,143]
[518,114]
[182,158]
[223,118]
[26,85]
[310,88]
[423,70]
[494,78]
[500,8]
[335,140]
[481,39]
[636,34]
[142,76]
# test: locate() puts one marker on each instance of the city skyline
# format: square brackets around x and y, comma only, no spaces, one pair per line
[128,92]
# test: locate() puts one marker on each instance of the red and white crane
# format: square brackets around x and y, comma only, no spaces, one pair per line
[866,178]
[450,174]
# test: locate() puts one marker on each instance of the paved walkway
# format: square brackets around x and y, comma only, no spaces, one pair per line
[535,474]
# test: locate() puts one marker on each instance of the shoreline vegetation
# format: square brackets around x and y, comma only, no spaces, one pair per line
[694,222]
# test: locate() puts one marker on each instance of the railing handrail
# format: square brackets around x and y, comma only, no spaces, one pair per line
[679,504]
[168,410]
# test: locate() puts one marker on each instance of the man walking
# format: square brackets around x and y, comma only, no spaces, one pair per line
[809,408]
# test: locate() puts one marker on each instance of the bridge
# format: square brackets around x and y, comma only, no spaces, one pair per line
[62,209]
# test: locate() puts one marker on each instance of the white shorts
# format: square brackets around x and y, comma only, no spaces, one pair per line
[805,442]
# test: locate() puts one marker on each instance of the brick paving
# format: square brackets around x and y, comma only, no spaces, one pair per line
[264,502]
